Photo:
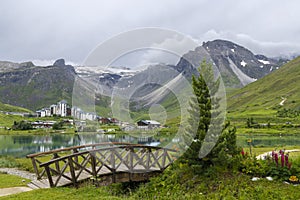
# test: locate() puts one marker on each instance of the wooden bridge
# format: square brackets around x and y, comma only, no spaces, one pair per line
[103,162]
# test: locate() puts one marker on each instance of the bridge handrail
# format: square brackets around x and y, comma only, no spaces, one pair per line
[76,147]
[102,149]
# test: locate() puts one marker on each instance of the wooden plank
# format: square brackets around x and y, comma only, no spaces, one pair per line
[33,186]
[43,183]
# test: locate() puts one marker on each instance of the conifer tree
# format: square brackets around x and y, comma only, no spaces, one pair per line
[213,142]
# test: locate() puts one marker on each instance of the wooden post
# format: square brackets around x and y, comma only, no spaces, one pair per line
[93,163]
[55,155]
[164,159]
[148,160]
[76,158]
[131,159]
[35,168]
[112,159]
[131,149]
[49,176]
[113,175]
[72,171]
[113,165]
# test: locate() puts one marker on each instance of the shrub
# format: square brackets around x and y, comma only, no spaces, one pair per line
[22,125]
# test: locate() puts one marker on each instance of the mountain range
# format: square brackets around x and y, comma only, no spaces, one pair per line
[32,87]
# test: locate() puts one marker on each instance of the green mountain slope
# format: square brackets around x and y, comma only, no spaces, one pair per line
[10,108]
[278,90]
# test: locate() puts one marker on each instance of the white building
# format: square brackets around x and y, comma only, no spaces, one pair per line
[62,108]
[41,113]
[47,112]
[91,116]
[53,109]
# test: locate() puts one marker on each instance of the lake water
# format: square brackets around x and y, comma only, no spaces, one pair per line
[22,145]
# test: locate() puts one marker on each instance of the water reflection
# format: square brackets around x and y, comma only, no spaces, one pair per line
[268,140]
[22,145]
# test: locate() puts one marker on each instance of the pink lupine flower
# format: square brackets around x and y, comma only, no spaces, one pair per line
[282,159]
[286,160]
[276,159]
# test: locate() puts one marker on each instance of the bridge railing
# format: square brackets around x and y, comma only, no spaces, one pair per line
[39,158]
[110,160]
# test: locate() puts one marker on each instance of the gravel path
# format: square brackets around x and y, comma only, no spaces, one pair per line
[17,172]
[13,190]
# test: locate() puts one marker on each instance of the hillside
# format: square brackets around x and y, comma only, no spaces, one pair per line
[33,87]
[10,108]
[273,92]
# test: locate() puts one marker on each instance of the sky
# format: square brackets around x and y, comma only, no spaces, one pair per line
[43,31]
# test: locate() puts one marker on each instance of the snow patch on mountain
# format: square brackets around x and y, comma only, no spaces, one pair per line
[244,78]
[265,62]
[85,70]
[243,63]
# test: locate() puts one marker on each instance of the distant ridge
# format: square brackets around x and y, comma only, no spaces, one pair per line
[33,87]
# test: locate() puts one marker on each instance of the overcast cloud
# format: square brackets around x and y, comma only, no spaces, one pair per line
[70,29]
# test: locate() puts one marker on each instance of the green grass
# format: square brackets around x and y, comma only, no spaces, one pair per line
[10,108]
[8,120]
[224,186]
[266,93]
[89,192]
[261,150]
[7,161]
[175,183]
[8,180]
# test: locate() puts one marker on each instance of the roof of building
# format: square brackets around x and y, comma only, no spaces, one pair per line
[63,101]
[150,122]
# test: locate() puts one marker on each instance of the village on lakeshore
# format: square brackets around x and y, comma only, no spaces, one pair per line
[74,116]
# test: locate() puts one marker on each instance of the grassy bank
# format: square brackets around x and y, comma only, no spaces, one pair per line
[8,180]
[180,181]
[179,185]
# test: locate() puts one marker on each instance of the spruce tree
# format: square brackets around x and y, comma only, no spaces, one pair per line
[213,142]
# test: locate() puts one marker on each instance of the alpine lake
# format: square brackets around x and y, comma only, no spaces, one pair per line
[22,145]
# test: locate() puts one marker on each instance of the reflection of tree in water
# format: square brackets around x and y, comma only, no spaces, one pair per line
[60,140]
[76,140]
[22,139]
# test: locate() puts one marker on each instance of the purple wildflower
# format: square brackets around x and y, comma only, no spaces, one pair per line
[276,159]
[286,160]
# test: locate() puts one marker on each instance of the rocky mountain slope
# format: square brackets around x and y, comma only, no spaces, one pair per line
[32,87]
[238,66]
